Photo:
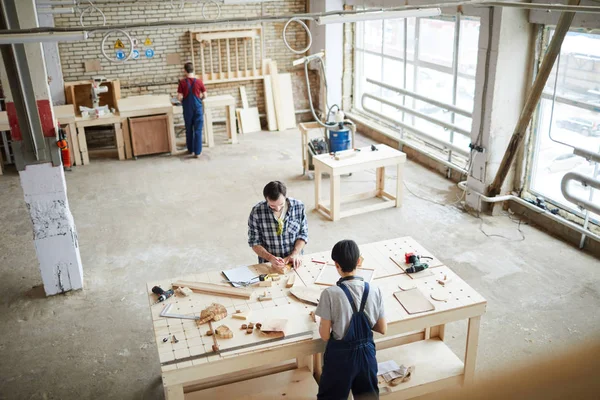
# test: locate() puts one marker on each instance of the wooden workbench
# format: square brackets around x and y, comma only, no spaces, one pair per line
[417,339]
[364,159]
[145,106]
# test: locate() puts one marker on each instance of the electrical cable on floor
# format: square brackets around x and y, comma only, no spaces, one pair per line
[491,235]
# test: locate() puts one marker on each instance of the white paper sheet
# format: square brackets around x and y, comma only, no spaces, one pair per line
[240,274]
[386,366]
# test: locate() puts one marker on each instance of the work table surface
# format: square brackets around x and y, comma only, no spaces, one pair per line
[386,258]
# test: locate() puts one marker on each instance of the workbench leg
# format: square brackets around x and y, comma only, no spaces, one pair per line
[172,139]
[399,184]
[306,361]
[208,125]
[438,331]
[85,157]
[335,201]
[231,124]
[74,143]
[318,366]
[471,352]
[304,144]
[174,392]
[317,187]
[380,184]
[126,138]
[119,141]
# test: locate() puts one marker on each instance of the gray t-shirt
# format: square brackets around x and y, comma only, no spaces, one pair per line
[335,307]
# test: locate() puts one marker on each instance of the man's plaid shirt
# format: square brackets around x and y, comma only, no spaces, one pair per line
[262,228]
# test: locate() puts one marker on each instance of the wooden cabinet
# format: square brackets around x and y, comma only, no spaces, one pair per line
[149,135]
[80,94]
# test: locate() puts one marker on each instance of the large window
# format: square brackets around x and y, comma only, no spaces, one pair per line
[568,115]
[427,59]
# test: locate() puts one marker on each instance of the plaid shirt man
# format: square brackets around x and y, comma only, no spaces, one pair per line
[262,228]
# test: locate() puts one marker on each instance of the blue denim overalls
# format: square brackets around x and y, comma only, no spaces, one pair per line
[350,363]
[194,119]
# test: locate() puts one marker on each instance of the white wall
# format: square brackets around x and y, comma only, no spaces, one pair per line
[53,68]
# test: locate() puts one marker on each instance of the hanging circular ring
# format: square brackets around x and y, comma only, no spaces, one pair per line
[92,8]
[211,2]
[298,20]
[181,4]
[130,46]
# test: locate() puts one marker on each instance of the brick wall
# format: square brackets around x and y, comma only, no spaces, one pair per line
[154,76]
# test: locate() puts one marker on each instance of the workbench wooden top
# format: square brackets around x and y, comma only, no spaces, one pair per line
[364,156]
[145,102]
[386,257]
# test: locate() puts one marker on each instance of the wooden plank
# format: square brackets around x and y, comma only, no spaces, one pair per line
[366,209]
[234,34]
[231,125]
[287,100]
[297,384]
[227,50]
[126,138]
[150,135]
[237,59]
[533,99]
[211,288]
[380,181]
[250,121]
[85,157]
[471,350]
[414,301]
[269,104]
[220,76]
[244,97]
[278,105]
[254,72]
[119,141]
[174,392]
[203,71]
[192,51]
[210,56]
[246,58]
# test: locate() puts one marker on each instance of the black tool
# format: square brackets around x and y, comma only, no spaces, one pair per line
[416,264]
[373,148]
[162,294]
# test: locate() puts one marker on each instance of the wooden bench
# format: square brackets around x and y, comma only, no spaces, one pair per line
[297,384]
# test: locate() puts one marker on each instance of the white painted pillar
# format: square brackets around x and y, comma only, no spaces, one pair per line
[52,58]
[54,233]
[44,186]
[498,104]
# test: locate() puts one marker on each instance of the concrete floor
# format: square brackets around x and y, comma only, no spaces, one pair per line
[160,217]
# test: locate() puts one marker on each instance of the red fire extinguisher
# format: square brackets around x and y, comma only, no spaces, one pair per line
[63,145]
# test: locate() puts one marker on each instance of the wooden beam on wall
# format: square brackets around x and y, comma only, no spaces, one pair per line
[564,23]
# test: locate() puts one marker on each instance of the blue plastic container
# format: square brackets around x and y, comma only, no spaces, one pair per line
[339,140]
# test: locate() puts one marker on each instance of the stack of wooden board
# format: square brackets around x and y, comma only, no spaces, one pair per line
[279,98]
[247,116]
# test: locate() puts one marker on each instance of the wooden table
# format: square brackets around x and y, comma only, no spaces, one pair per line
[190,364]
[209,104]
[304,129]
[82,123]
[359,161]
[145,106]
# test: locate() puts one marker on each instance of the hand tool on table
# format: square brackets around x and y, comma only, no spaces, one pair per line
[415,261]
[165,313]
[162,294]
[256,279]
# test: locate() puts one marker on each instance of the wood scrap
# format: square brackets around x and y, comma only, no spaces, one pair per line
[308,295]
[224,332]
[184,291]
[440,294]
[274,325]
[444,281]
[214,312]
[270,104]
[249,331]
[242,314]
[277,102]
[251,325]
[211,288]
[244,97]
[265,296]
[265,283]
[413,301]
[290,281]
[286,94]
[244,326]
[249,120]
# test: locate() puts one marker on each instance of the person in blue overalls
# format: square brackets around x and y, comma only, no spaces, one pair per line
[190,93]
[349,312]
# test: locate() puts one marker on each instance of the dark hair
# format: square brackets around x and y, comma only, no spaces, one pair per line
[346,254]
[273,190]
[189,67]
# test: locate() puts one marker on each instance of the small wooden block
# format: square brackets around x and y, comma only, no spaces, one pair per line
[92,66]
[249,331]
[244,326]
[258,325]
[265,284]
[276,278]
[242,315]
[251,325]
[290,281]
[209,333]
[266,296]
